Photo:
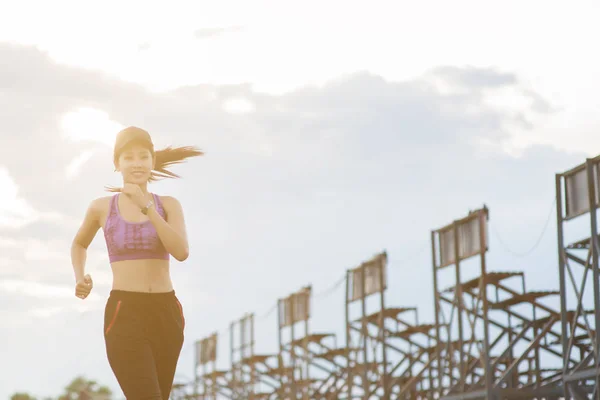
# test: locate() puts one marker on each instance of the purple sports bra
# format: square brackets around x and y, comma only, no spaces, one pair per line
[132,240]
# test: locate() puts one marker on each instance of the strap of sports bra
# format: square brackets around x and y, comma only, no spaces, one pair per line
[159,206]
[113,203]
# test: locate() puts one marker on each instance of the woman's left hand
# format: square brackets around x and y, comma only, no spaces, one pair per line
[134,192]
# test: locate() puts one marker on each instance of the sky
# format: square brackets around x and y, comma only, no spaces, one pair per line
[332,131]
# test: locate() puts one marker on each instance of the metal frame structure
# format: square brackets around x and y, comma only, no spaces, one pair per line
[500,340]
[243,378]
[369,278]
[292,311]
[213,382]
[492,337]
[253,376]
[578,198]
[386,357]
[456,242]
[313,358]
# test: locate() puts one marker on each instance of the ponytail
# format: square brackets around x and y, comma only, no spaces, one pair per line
[169,156]
[164,159]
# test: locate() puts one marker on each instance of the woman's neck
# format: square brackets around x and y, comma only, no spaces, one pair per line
[145,190]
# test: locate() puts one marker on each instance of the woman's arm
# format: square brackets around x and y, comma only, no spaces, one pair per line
[171,230]
[83,238]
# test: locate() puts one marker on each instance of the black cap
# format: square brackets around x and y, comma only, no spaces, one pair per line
[130,134]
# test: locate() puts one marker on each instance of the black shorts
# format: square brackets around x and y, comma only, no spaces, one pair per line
[143,333]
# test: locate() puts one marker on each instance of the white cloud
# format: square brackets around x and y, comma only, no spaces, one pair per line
[89,124]
[42,290]
[46,312]
[276,51]
[74,166]
[14,211]
[90,304]
[238,106]
[175,57]
[46,250]
[8,243]
[36,289]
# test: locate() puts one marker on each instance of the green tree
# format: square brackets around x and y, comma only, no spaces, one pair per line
[22,396]
[80,388]
[83,389]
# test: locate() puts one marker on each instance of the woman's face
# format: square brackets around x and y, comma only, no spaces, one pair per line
[135,164]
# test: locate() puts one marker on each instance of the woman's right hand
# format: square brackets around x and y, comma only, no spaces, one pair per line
[84,287]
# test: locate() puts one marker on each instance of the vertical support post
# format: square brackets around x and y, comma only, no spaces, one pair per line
[235,379]
[486,325]
[305,364]
[594,249]
[436,300]
[365,373]
[204,388]
[280,361]
[249,388]
[349,364]
[215,386]
[514,376]
[252,366]
[459,307]
[196,369]
[382,336]
[293,349]
[562,279]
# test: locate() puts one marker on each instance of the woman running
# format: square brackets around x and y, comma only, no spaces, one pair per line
[143,319]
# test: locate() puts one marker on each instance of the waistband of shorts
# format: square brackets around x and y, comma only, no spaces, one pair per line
[141,296]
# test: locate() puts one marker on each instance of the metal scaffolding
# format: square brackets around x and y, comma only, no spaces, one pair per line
[243,376]
[366,369]
[459,351]
[312,358]
[492,337]
[211,382]
[495,339]
[577,198]
[388,353]
[253,376]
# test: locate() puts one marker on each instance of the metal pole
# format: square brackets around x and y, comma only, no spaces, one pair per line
[306,387]
[486,325]
[292,300]
[252,365]
[196,370]
[349,366]
[459,305]
[594,250]
[382,267]
[280,361]
[234,375]
[436,300]
[562,281]
[364,335]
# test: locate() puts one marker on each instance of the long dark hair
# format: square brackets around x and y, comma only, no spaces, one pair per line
[170,156]
[164,159]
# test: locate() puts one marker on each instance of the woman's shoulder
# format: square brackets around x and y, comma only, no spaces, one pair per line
[101,201]
[167,199]
[168,202]
[97,208]
[100,204]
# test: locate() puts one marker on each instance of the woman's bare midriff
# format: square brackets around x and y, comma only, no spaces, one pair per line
[152,276]
[142,276]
